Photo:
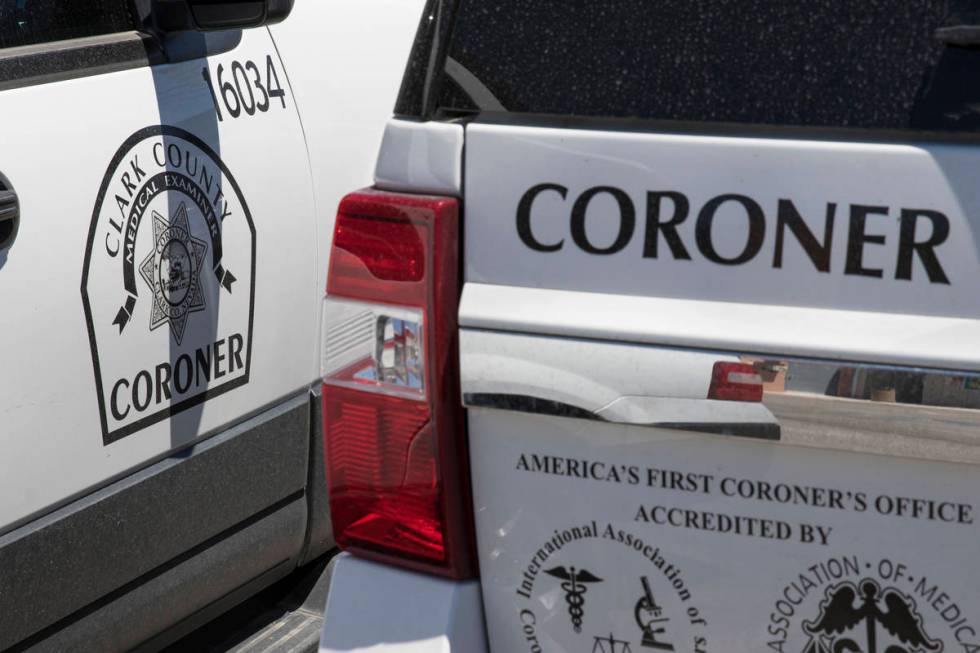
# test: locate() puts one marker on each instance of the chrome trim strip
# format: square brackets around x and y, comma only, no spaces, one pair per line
[848,406]
[56,61]
[43,63]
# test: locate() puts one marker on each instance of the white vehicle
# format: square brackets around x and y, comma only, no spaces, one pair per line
[658,331]
[169,171]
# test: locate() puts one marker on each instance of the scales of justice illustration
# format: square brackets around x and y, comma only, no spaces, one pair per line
[651,622]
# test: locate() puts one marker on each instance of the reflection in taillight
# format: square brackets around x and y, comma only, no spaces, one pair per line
[397,465]
[735,382]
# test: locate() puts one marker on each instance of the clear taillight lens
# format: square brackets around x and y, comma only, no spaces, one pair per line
[395,443]
[374,348]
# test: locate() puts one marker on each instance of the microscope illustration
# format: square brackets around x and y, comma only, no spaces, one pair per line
[650,619]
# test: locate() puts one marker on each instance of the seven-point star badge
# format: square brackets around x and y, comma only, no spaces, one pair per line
[173,272]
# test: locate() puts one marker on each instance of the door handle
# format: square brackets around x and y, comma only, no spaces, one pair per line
[9,217]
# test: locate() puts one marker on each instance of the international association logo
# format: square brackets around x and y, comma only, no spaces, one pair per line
[848,604]
[168,283]
[598,588]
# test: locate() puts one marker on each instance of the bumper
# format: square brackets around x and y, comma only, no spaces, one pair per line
[381,609]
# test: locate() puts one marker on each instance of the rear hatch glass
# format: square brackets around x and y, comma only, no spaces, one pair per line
[880,64]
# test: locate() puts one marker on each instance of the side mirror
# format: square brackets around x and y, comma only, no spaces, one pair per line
[211,15]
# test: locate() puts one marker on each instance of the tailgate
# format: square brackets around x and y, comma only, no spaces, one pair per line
[722,390]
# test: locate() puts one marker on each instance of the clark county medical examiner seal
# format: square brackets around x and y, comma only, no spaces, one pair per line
[168,282]
[172,270]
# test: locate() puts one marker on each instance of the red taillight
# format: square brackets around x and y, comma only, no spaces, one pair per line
[735,382]
[397,465]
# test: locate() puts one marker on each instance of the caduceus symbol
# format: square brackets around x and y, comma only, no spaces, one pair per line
[574,584]
[838,614]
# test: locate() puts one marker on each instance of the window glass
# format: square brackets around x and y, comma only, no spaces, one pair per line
[831,63]
[25,22]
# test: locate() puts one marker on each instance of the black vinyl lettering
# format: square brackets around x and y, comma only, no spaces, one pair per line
[174,156]
[272,81]
[184,367]
[137,170]
[206,74]
[664,223]
[238,95]
[908,247]
[204,180]
[668,228]
[204,363]
[109,250]
[192,172]
[228,91]
[219,358]
[627,220]
[524,217]
[128,184]
[239,75]
[262,105]
[857,237]
[142,379]
[756,235]
[163,382]
[158,155]
[113,400]
[235,343]
[788,216]
[123,205]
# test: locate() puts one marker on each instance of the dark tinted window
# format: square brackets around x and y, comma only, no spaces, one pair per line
[835,63]
[24,22]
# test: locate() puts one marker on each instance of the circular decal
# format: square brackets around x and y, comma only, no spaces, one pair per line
[853,604]
[602,589]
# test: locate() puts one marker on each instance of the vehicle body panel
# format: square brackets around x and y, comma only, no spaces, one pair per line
[167,504]
[377,608]
[819,177]
[60,448]
[344,107]
[625,513]
[750,570]
[651,229]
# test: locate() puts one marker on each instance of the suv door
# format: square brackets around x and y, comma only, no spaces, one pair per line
[160,285]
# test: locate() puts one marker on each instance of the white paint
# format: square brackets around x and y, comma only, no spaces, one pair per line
[293,166]
[421,157]
[345,62]
[676,410]
[584,374]
[572,323]
[903,339]
[49,418]
[503,162]
[734,581]
[374,608]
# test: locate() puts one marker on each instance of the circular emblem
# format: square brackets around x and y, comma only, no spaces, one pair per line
[850,604]
[595,587]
